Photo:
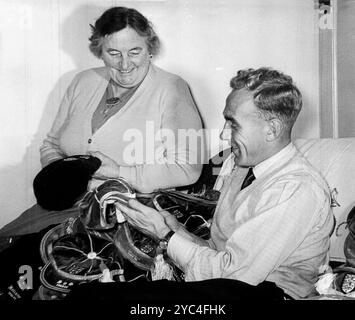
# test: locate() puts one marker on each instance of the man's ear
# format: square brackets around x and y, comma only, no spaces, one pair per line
[275,129]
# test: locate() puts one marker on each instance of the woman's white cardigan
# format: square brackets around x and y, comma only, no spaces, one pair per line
[156,138]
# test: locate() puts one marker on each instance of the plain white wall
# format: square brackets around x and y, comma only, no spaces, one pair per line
[43,43]
[346,67]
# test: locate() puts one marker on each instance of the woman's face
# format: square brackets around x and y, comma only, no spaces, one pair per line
[126,54]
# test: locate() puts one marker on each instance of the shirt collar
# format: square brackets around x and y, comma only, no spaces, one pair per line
[279,158]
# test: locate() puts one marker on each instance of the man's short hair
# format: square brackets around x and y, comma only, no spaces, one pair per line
[274,93]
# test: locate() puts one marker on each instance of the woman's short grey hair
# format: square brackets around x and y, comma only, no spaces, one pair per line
[118,18]
[274,93]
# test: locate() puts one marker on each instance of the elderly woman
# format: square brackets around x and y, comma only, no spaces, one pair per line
[128,112]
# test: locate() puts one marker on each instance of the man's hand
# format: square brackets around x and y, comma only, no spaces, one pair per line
[147,219]
[109,169]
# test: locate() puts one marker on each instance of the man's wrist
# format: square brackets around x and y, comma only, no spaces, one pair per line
[163,243]
[163,232]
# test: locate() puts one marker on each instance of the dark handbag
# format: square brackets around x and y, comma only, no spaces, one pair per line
[349,244]
[345,274]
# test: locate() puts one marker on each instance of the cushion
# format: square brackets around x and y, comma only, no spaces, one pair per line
[335,160]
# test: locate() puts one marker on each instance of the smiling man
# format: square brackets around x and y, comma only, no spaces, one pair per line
[271,229]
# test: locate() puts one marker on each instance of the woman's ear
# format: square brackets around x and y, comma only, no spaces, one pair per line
[275,129]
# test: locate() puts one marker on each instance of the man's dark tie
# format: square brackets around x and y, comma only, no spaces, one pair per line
[248,179]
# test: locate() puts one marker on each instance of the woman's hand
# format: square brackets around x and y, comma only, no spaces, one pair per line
[147,219]
[109,169]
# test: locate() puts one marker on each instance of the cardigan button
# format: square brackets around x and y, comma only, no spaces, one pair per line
[89,141]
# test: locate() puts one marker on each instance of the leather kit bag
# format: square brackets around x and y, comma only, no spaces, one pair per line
[100,215]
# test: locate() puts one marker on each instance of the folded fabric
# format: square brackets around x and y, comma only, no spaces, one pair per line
[61,183]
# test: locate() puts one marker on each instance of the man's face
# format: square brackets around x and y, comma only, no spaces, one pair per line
[245,129]
[127,55]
